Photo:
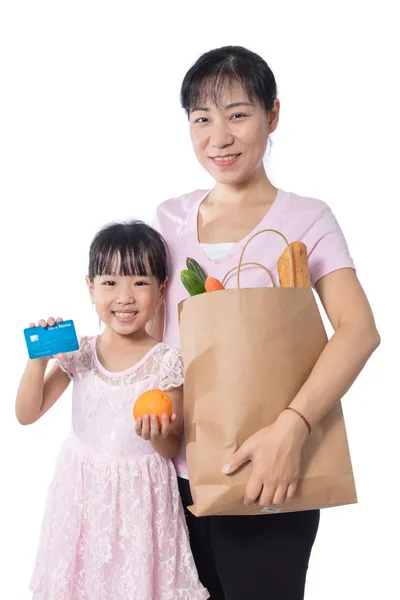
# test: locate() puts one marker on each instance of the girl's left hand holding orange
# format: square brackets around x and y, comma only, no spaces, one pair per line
[148,427]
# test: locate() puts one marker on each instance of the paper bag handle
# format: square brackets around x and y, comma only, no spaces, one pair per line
[249,263]
[241,264]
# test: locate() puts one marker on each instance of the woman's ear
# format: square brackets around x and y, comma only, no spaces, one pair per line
[90,288]
[274,116]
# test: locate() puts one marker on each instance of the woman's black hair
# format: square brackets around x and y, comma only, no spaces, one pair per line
[228,65]
[133,247]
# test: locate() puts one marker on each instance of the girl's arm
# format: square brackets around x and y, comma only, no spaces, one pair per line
[38,392]
[166,440]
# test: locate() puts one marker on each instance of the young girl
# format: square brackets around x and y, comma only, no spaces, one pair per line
[114,526]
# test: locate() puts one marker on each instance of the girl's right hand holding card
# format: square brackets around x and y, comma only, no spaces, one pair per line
[51,321]
[38,391]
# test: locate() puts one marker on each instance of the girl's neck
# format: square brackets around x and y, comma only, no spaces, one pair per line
[118,353]
[254,191]
[139,338]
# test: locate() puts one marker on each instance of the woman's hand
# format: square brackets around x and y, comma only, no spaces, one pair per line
[275,453]
[148,427]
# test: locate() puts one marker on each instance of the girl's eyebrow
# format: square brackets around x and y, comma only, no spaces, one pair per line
[227,107]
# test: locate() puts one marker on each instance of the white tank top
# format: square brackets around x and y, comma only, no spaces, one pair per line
[217,251]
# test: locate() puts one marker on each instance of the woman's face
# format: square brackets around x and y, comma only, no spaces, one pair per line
[230,139]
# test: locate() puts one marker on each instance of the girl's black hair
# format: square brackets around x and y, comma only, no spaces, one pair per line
[135,247]
[228,65]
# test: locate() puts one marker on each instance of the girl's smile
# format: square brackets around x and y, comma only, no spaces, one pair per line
[125,317]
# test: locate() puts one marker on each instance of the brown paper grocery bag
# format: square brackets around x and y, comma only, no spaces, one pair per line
[246,353]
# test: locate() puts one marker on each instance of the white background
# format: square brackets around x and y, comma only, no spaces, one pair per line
[92,131]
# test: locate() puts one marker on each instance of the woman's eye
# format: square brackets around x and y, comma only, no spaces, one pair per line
[201,120]
[237,116]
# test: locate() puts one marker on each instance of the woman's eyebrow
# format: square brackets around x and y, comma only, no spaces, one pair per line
[236,104]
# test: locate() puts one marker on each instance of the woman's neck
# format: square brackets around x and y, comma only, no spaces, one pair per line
[258,190]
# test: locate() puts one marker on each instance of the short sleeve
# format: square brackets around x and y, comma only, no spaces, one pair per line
[329,251]
[75,363]
[172,370]
[155,222]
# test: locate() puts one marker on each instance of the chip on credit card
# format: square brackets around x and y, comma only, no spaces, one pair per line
[51,340]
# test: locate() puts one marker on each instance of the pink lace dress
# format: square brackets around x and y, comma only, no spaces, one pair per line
[114,528]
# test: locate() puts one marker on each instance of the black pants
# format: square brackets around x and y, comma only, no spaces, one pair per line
[251,557]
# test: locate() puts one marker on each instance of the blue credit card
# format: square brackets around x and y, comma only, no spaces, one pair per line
[51,340]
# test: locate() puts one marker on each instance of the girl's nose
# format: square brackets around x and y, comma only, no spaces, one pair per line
[126,296]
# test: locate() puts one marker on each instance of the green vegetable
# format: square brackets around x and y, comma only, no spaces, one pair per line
[192,283]
[193,265]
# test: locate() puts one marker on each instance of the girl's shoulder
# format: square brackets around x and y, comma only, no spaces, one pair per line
[170,367]
[167,354]
[80,361]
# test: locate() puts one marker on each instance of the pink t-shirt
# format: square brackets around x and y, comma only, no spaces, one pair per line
[299,218]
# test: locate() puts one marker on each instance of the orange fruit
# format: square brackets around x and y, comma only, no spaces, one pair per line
[153,402]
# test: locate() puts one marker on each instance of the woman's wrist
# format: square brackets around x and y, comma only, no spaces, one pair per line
[294,425]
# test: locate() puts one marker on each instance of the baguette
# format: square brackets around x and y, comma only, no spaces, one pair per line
[300,265]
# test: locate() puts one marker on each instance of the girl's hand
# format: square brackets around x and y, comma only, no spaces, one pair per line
[148,429]
[51,321]
[275,453]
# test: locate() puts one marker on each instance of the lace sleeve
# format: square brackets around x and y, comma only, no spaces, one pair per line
[172,370]
[79,361]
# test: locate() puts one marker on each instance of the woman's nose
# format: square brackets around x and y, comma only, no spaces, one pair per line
[221,136]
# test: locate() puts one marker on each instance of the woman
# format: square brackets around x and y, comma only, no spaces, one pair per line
[230,98]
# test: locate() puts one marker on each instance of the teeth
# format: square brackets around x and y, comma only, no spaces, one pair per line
[124,315]
[226,158]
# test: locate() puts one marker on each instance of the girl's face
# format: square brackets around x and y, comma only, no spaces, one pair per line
[125,303]
[230,139]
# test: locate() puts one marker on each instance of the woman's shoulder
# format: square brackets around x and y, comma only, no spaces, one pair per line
[303,204]
[178,209]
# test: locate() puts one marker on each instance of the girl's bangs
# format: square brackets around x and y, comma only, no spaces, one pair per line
[122,262]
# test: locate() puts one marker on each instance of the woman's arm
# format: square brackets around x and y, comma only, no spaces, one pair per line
[346,353]
[275,451]
[37,392]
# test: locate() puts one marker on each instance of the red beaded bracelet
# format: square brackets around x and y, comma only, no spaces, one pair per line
[301,417]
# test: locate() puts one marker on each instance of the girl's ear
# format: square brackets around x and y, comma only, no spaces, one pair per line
[163,289]
[90,288]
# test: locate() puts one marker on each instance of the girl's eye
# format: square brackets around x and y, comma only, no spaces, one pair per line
[141,283]
[109,283]
[201,120]
[237,115]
